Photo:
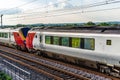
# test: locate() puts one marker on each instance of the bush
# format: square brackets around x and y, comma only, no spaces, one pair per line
[3,76]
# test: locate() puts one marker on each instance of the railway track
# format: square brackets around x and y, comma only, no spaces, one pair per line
[57,71]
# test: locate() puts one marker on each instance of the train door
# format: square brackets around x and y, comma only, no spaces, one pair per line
[41,42]
[100,44]
[100,48]
[36,41]
[12,40]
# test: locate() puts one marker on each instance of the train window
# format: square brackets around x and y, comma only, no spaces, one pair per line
[36,36]
[47,39]
[40,38]
[56,40]
[6,35]
[0,35]
[89,43]
[108,42]
[76,42]
[65,41]
[82,43]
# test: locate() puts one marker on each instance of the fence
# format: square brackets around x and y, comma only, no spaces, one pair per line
[15,72]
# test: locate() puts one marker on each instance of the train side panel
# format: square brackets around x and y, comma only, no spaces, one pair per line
[29,41]
[36,41]
[108,44]
[19,42]
[20,37]
[99,51]
[106,48]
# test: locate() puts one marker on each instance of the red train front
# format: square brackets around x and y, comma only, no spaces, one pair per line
[20,37]
[29,41]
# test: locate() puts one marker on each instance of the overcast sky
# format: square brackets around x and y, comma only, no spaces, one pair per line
[58,11]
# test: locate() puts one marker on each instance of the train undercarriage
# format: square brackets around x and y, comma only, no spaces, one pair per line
[105,68]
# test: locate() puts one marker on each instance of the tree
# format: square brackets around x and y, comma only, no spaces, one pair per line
[90,23]
[115,25]
[71,25]
[19,25]
[104,24]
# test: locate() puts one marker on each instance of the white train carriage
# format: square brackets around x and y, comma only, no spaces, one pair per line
[90,49]
[5,36]
[13,37]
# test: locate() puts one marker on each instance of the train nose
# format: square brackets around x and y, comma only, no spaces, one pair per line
[24,42]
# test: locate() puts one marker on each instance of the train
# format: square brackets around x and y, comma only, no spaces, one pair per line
[93,47]
[14,37]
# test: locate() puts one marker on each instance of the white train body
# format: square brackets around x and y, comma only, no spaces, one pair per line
[102,52]
[6,36]
[106,48]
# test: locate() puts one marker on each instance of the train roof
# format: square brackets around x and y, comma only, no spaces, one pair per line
[93,29]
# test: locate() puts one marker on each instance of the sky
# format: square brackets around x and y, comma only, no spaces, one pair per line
[58,11]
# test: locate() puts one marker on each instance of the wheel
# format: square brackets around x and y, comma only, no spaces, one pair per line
[18,47]
[30,51]
[38,53]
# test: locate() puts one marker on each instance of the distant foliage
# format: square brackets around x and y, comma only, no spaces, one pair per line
[90,23]
[116,25]
[19,25]
[71,25]
[104,24]
[3,76]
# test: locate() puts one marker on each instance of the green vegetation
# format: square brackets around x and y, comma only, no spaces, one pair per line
[3,76]
[104,24]
[90,23]
[68,25]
